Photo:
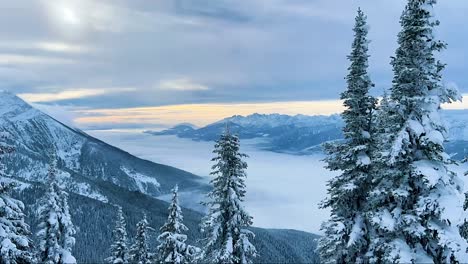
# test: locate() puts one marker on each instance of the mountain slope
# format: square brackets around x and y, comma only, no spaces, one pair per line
[81,157]
[95,221]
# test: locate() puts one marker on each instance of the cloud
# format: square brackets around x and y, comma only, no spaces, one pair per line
[180,52]
[19,59]
[61,47]
[182,84]
[69,94]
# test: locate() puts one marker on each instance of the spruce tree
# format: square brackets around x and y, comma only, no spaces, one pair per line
[415,196]
[119,248]
[346,233]
[15,242]
[464,226]
[226,238]
[172,248]
[56,229]
[139,252]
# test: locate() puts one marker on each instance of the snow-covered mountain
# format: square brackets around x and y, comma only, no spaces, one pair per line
[301,134]
[282,133]
[83,160]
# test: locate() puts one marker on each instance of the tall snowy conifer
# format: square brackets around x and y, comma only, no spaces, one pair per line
[139,252]
[346,234]
[464,227]
[56,229]
[172,248]
[226,238]
[416,199]
[15,242]
[119,247]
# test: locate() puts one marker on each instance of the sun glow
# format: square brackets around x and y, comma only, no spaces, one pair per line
[70,16]
[67,16]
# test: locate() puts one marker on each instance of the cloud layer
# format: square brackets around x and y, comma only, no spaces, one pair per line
[126,54]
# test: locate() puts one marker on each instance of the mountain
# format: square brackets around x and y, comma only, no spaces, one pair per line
[281,133]
[82,158]
[301,134]
[100,177]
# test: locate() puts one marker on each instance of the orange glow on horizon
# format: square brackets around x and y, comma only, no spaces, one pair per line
[203,114]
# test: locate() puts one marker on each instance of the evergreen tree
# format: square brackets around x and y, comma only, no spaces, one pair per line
[15,242]
[227,240]
[464,226]
[119,248]
[346,234]
[56,229]
[415,194]
[139,251]
[172,247]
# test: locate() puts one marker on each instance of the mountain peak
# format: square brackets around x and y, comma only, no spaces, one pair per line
[11,106]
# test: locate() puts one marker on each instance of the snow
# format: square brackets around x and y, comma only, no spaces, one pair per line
[295,185]
[356,231]
[401,251]
[435,137]
[385,220]
[416,127]
[275,120]
[432,171]
[67,257]
[363,159]
[141,180]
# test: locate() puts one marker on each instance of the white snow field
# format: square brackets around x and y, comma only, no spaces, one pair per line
[283,191]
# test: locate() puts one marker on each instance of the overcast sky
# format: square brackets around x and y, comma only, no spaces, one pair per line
[98,57]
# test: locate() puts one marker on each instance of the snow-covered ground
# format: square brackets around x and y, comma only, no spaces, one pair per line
[283,190]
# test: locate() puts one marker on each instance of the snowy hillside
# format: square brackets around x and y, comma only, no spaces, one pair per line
[83,160]
[301,134]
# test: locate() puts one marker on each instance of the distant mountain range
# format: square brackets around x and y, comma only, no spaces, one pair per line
[302,134]
[100,176]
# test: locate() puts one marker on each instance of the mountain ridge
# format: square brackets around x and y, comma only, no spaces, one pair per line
[304,135]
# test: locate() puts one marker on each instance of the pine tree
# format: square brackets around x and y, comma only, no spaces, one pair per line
[464,226]
[15,242]
[119,248]
[139,251]
[415,194]
[172,247]
[56,229]
[227,239]
[346,238]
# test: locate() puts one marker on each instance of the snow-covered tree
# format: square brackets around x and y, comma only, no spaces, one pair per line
[56,229]
[346,234]
[15,242]
[226,238]
[464,227]
[416,199]
[119,247]
[172,248]
[139,252]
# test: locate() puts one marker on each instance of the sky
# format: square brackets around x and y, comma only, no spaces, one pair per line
[139,63]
